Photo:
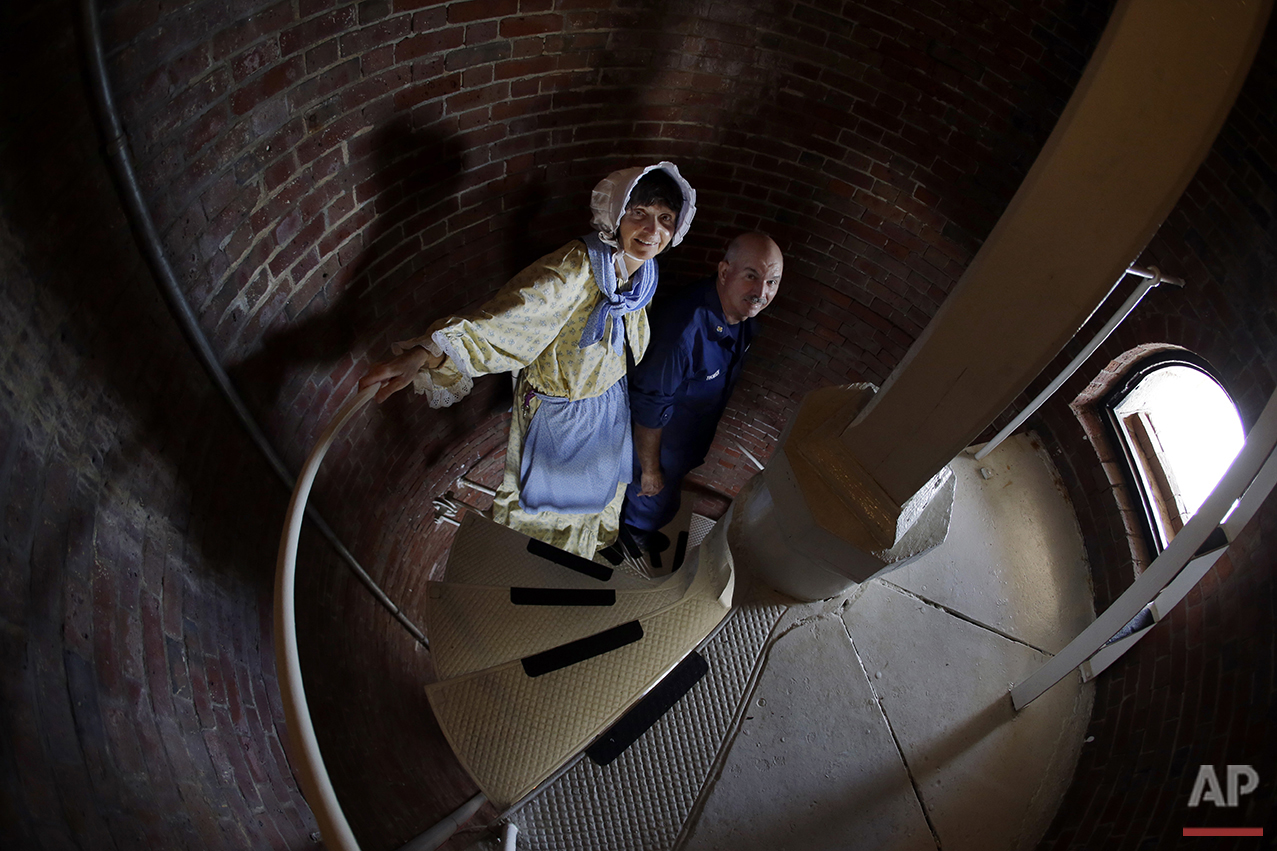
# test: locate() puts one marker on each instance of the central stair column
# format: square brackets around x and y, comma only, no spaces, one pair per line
[858,471]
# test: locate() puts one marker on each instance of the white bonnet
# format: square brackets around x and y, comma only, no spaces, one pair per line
[607,203]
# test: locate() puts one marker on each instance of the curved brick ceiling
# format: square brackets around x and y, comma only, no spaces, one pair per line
[329,177]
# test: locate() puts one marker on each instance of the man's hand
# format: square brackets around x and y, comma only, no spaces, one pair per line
[396,374]
[647,446]
[652,483]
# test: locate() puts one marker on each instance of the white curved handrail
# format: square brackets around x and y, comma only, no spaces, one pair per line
[1250,463]
[1152,277]
[308,763]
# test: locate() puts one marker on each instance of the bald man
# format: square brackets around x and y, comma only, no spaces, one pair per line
[679,390]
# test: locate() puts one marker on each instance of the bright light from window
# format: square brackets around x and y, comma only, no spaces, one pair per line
[1196,430]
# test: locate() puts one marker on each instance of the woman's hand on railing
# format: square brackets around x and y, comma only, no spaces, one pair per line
[397,373]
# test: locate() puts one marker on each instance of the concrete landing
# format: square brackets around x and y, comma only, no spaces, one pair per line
[1027,577]
[989,778]
[882,718]
[814,763]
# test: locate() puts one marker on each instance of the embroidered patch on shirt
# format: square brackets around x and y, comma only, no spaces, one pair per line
[712,377]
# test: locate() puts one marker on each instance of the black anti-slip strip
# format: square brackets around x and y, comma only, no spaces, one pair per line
[563,596]
[612,554]
[649,710]
[680,550]
[582,649]
[569,560]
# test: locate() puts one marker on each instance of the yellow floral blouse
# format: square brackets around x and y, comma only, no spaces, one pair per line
[533,323]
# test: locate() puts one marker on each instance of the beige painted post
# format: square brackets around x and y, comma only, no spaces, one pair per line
[1148,108]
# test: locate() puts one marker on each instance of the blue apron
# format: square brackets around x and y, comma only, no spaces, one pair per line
[576,453]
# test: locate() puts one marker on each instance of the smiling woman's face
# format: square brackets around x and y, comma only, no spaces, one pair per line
[646,229]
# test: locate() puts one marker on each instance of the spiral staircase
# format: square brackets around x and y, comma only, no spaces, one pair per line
[542,656]
[539,651]
[625,706]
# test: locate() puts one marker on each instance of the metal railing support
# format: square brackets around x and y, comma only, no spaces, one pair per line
[1250,478]
[1152,277]
[443,831]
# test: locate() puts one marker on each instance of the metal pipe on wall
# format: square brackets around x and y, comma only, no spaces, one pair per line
[144,231]
[1152,277]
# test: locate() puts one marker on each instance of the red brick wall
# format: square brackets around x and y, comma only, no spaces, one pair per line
[335,176]
[138,698]
[329,177]
[1199,689]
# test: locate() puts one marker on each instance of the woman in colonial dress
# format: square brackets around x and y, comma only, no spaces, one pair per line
[564,326]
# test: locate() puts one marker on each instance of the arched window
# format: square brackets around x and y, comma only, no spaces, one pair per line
[1179,431]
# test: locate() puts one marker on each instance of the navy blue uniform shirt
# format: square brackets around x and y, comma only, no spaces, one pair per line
[683,383]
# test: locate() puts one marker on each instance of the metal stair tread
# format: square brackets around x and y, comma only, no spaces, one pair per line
[486,553]
[641,801]
[473,627]
[512,731]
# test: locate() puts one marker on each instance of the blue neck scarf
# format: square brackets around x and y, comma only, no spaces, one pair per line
[642,288]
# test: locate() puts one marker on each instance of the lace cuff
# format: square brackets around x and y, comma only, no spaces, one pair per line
[444,385]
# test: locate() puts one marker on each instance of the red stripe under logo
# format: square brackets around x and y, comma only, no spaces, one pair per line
[1223,831]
